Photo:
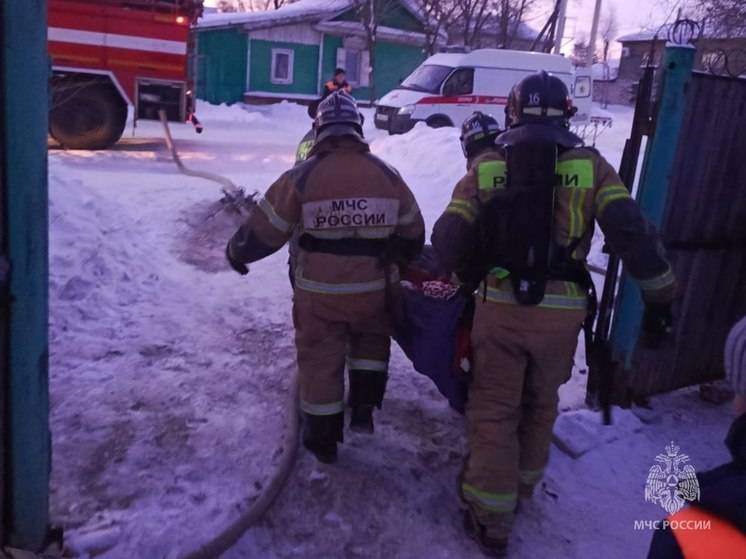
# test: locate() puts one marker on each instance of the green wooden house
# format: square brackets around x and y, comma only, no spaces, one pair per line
[291,52]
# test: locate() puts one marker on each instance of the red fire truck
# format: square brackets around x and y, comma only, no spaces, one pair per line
[108,55]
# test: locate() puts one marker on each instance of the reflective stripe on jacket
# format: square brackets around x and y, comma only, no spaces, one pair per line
[588,190]
[342,193]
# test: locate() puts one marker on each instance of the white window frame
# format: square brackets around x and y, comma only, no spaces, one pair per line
[363,61]
[291,59]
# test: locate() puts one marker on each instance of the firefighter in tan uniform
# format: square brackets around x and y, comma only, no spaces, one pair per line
[356,220]
[523,216]
[478,134]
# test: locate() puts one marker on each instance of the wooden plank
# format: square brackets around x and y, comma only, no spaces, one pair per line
[25,79]
[3,313]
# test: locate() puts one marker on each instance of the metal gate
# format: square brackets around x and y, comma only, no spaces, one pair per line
[704,231]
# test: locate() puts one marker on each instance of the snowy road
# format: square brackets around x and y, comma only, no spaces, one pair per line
[169,372]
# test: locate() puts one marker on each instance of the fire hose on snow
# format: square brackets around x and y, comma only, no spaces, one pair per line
[257,507]
[234,195]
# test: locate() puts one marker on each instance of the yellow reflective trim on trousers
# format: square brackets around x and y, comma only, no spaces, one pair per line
[276,221]
[575,173]
[662,281]
[340,288]
[608,194]
[367,365]
[491,175]
[492,502]
[331,408]
[550,301]
[530,477]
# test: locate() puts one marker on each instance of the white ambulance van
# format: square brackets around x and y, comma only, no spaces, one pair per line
[448,87]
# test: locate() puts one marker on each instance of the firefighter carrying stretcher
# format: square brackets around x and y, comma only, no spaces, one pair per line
[522,219]
[356,221]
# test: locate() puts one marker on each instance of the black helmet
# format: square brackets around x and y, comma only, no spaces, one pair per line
[540,97]
[540,106]
[337,115]
[477,133]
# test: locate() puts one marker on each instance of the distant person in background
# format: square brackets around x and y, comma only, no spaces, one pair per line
[722,490]
[337,83]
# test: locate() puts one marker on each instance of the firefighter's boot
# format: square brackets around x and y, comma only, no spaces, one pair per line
[490,546]
[321,433]
[366,392]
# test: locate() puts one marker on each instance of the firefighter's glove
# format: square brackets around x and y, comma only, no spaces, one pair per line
[657,325]
[239,267]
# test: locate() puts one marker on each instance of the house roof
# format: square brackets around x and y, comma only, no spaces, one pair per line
[383,32]
[303,10]
[491,26]
[296,12]
[662,32]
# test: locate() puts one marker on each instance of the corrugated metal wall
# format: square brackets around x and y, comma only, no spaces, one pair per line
[704,230]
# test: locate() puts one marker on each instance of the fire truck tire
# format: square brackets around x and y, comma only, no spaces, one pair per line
[90,117]
[439,121]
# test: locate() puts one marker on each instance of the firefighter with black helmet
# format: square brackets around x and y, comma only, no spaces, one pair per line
[478,134]
[356,221]
[524,215]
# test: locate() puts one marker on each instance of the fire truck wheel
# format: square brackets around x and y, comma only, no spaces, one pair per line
[91,117]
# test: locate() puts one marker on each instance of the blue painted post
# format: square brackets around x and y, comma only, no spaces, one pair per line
[678,62]
[24,83]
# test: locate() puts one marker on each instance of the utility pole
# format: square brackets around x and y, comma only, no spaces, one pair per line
[594,33]
[560,26]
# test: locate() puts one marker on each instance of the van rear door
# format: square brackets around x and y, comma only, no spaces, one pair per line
[582,95]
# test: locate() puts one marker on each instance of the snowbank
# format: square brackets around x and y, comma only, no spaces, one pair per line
[430,161]
[169,372]
[239,114]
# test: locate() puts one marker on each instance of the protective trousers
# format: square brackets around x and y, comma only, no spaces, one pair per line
[521,357]
[332,331]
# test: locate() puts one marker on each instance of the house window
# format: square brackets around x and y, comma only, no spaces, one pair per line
[352,66]
[282,66]
[355,64]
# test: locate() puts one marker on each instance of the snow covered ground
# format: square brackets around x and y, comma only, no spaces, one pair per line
[169,375]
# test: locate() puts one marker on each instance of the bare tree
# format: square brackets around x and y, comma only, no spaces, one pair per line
[438,16]
[370,14]
[471,15]
[724,17]
[608,30]
[511,16]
